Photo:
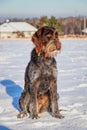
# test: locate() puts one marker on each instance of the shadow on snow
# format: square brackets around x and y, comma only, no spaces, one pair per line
[3,128]
[12,90]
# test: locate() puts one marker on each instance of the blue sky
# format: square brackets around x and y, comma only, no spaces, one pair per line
[38,8]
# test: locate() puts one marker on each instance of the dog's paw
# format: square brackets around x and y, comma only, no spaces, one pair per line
[58,115]
[34,116]
[22,115]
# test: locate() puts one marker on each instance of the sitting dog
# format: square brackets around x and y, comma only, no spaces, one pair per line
[40,90]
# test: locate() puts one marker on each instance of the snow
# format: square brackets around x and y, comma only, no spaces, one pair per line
[72,86]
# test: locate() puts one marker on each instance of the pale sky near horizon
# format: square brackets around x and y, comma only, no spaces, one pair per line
[38,8]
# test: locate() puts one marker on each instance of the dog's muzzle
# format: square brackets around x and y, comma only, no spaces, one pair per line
[52,49]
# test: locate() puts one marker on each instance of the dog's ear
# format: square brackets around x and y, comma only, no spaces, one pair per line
[36,39]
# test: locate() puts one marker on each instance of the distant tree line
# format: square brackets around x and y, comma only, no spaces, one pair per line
[65,26]
[73,25]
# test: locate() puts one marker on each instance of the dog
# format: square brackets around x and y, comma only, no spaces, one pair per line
[40,89]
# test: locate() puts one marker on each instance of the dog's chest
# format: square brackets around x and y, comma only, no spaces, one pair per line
[48,72]
[48,69]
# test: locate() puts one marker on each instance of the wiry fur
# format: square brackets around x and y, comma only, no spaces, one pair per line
[40,90]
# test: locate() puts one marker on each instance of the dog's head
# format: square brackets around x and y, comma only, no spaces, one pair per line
[46,40]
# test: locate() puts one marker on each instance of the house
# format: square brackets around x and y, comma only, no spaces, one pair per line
[16,29]
[84,31]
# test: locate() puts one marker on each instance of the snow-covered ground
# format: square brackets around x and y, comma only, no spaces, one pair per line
[72,86]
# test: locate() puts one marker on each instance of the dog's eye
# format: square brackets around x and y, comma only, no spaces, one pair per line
[49,35]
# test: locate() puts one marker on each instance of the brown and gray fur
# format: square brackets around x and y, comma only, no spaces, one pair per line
[40,90]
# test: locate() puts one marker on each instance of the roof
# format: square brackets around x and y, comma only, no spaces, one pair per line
[16,26]
[84,30]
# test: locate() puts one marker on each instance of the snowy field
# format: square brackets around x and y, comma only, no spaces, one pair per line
[72,86]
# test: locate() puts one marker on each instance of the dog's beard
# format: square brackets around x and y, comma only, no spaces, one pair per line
[51,50]
[54,53]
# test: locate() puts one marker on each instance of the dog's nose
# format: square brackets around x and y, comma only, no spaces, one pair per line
[58,45]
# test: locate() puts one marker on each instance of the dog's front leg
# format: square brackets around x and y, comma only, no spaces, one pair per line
[33,100]
[54,99]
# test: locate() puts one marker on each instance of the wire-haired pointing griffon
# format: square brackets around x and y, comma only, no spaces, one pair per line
[40,90]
